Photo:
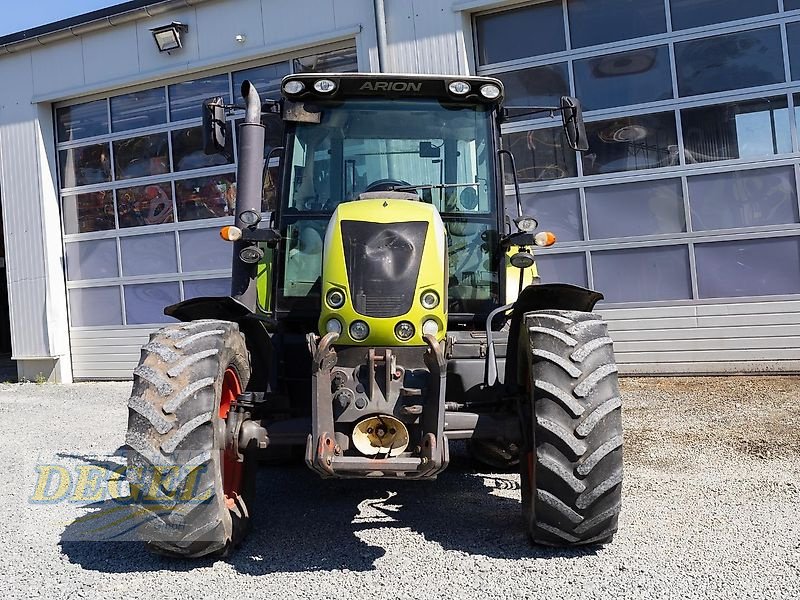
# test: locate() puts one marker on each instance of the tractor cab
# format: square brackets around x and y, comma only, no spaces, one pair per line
[426,140]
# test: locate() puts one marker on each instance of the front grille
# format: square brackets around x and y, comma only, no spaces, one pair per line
[380,306]
[383,261]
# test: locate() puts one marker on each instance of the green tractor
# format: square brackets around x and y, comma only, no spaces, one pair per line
[386,307]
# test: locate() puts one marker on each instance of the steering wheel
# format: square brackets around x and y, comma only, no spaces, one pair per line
[386,185]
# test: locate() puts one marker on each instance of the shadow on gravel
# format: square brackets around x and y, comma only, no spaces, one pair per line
[303,523]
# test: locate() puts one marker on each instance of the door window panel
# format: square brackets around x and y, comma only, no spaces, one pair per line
[521,33]
[145,303]
[204,250]
[624,78]
[743,199]
[697,13]
[149,254]
[145,205]
[86,165]
[602,21]
[95,307]
[89,212]
[81,121]
[303,266]
[558,211]
[748,268]
[186,98]
[631,144]
[91,259]
[141,156]
[749,129]
[634,209]
[725,62]
[188,153]
[335,61]
[139,109]
[266,78]
[643,274]
[207,288]
[536,86]
[472,283]
[793,43]
[540,155]
[206,197]
[563,268]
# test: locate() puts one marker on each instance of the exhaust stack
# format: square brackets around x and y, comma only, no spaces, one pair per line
[249,181]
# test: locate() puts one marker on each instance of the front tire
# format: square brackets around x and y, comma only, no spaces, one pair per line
[572,469]
[193,495]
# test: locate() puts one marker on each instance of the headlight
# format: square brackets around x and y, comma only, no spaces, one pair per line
[459,87]
[359,330]
[333,326]
[293,87]
[430,327]
[490,91]
[335,298]
[404,331]
[324,86]
[429,300]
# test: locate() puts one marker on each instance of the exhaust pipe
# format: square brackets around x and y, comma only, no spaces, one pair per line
[249,182]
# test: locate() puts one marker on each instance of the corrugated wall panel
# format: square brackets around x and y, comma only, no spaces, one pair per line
[760,337]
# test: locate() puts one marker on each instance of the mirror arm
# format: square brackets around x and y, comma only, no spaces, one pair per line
[532,110]
[514,175]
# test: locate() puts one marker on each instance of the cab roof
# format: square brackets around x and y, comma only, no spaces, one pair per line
[392,85]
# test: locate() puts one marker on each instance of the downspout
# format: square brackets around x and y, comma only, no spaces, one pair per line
[380,28]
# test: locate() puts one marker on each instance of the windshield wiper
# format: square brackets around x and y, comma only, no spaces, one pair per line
[434,186]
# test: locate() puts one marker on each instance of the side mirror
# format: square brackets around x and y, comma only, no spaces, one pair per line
[574,127]
[214,125]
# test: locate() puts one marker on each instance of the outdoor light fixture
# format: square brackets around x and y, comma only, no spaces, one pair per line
[168,37]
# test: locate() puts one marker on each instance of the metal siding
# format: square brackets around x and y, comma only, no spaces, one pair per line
[219,23]
[111,53]
[55,67]
[36,298]
[306,17]
[150,59]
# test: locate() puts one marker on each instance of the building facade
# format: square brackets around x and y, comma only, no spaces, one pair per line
[684,211]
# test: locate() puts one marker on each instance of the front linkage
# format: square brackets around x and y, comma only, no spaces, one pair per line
[400,408]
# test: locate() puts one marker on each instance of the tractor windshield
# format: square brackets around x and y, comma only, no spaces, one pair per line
[441,151]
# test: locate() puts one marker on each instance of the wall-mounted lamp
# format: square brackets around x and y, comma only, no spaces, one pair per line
[168,37]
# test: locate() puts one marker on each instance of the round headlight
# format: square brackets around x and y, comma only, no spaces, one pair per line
[404,331]
[527,224]
[324,86]
[429,300]
[333,326]
[249,217]
[293,87]
[335,298]
[359,330]
[490,91]
[430,327]
[459,87]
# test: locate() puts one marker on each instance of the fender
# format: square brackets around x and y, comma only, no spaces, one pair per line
[546,296]
[257,329]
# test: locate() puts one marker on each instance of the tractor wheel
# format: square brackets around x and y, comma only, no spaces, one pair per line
[194,496]
[572,468]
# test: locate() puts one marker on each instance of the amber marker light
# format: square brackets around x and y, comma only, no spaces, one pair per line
[545,239]
[230,233]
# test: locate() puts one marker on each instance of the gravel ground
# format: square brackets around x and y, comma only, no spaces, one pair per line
[711,509]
